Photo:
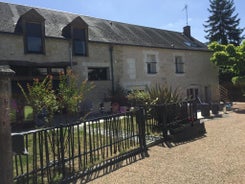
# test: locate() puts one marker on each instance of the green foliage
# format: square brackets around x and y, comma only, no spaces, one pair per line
[71,92]
[215,46]
[41,96]
[222,25]
[119,95]
[220,58]
[158,94]
[162,94]
[139,98]
[229,58]
[239,81]
[28,113]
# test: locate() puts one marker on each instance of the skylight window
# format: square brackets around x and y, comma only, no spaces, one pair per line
[190,44]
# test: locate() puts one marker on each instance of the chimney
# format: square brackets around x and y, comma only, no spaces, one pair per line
[187,31]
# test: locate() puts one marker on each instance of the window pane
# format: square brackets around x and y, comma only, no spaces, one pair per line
[151,64]
[42,71]
[192,93]
[33,29]
[98,74]
[179,64]
[151,58]
[34,44]
[34,37]
[79,34]
[79,42]
[151,68]
[79,47]
[179,68]
[57,71]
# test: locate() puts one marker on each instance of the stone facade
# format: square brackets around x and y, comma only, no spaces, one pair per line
[127,48]
[198,71]
[12,48]
[129,65]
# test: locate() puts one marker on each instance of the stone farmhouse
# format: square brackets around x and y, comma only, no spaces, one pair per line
[35,42]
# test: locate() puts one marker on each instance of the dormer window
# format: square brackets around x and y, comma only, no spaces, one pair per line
[31,25]
[77,31]
[34,38]
[79,42]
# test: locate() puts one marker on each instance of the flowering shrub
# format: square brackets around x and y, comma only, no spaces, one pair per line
[41,97]
[45,101]
[71,93]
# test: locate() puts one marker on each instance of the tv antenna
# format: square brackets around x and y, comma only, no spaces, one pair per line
[186,13]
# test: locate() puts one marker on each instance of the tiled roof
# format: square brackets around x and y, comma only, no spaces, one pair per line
[100,30]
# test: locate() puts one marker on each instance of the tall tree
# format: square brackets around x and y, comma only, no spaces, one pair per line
[222,25]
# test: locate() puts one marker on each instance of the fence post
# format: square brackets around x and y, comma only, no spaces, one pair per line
[62,152]
[165,118]
[6,169]
[140,118]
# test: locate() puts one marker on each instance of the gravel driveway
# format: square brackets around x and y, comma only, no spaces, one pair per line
[218,158]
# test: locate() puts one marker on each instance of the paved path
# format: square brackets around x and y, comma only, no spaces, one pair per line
[218,158]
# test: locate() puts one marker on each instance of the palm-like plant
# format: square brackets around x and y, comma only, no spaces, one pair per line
[163,95]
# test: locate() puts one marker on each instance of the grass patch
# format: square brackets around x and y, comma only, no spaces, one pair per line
[28,113]
[26,116]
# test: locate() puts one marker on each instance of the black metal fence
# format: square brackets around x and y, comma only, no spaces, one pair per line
[64,153]
[164,121]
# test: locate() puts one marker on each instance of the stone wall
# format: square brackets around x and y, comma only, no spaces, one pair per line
[199,72]
[13,49]
[129,63]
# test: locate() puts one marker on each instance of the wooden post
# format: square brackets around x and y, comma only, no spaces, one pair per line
[6,168]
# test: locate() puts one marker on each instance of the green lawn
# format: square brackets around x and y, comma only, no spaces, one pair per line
[28,114]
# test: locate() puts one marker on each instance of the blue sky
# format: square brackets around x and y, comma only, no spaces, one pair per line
[163,14]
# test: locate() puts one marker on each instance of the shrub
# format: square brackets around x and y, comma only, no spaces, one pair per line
[155,95]
[239,81]
[162,94]
[119,95]
[71,92]
[139,98]
[41,97]
[45,101]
